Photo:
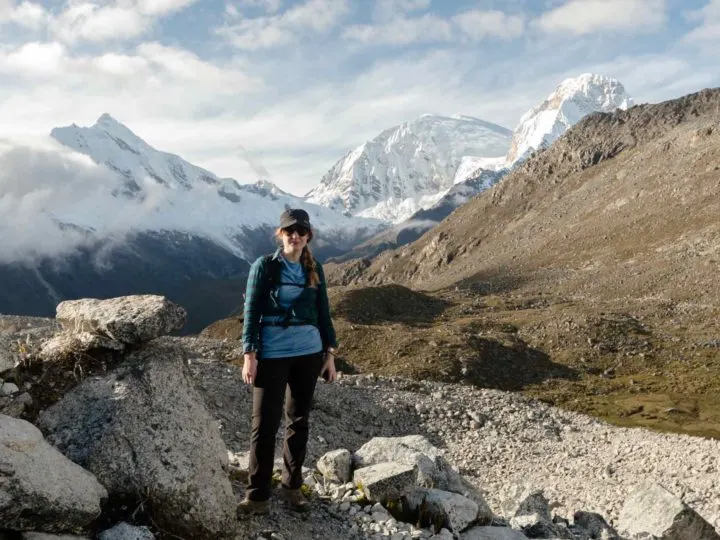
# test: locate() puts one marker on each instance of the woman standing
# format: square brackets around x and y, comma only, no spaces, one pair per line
[288,341]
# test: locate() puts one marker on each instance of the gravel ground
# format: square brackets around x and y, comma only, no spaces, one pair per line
[500,441]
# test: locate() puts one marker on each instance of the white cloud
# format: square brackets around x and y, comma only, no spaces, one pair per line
[388,9]
[35,60]
[427,28]
[707,33]
[317,16]
[26,14]
[37,176]
[110,21]
[477,24]
[402,31]
[589,16]
[90,22]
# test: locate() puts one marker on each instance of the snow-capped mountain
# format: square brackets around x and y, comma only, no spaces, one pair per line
[164,192]
[96,211]
[571,101]
[408,167]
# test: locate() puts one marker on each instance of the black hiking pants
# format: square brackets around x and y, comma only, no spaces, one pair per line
[291,380]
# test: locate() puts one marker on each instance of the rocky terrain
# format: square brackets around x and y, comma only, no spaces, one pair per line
[499,465]
[597,259]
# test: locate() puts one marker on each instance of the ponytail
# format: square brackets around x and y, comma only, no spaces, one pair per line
[308,262]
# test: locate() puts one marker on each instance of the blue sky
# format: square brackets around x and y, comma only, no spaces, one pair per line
[295,84]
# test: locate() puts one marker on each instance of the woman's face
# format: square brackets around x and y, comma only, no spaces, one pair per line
[295,238]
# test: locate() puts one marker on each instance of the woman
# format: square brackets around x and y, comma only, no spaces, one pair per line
[288,341]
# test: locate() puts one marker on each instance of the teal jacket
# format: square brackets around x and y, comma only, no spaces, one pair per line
[312,307]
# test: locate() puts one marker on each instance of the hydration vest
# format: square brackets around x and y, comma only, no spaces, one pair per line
[302,310]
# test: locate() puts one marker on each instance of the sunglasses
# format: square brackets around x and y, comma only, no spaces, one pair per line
[302,231]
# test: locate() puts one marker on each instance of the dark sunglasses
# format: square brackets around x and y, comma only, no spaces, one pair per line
[302,231]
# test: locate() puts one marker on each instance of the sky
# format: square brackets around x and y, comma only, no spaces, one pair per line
[284,88]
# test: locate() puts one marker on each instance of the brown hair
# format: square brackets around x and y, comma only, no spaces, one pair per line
[306,259]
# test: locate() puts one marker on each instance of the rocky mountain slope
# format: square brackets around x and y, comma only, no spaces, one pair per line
[106,214]
[598,256]
[407,167]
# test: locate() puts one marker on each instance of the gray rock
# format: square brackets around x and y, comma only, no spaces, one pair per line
[127,319]
[443,507]
[433,469]
[492,533]
[652,510]
[595,525]
[15,405]
[40,488]
[385,481]
[65,344]
[125,531]
[8,388]
[144,430]
[336,466]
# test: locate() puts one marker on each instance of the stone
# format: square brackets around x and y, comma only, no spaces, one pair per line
[433,469]
[435,506]
[652,510]
[65,344]
[595,525]
[336,466]
[145,429]
[16,405]
[127,319]
[492,533]
[8,388]
[125,531]
[41,489]
[385,481]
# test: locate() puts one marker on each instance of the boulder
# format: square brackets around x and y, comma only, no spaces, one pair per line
[533,517]
[651,510]
[595,525]
[145,432]
[433,470]
[442,508]
[385,481]
[127,319]
[40,489]
[65,344]
[336,466]
[125,531]
[492,533]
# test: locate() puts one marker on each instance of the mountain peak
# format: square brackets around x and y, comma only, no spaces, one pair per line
[572,100]
[407,167]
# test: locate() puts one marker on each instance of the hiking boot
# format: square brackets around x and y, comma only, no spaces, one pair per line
[246,507]
[295,499]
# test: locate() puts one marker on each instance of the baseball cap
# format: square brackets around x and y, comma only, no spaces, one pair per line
[295,216]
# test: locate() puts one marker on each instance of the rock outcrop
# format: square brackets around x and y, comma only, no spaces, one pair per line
[144,431]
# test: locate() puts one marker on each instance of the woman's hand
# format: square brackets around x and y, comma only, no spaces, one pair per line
[249,369]
[328,370]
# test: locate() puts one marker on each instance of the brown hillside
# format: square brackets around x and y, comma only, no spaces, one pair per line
[602,253]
